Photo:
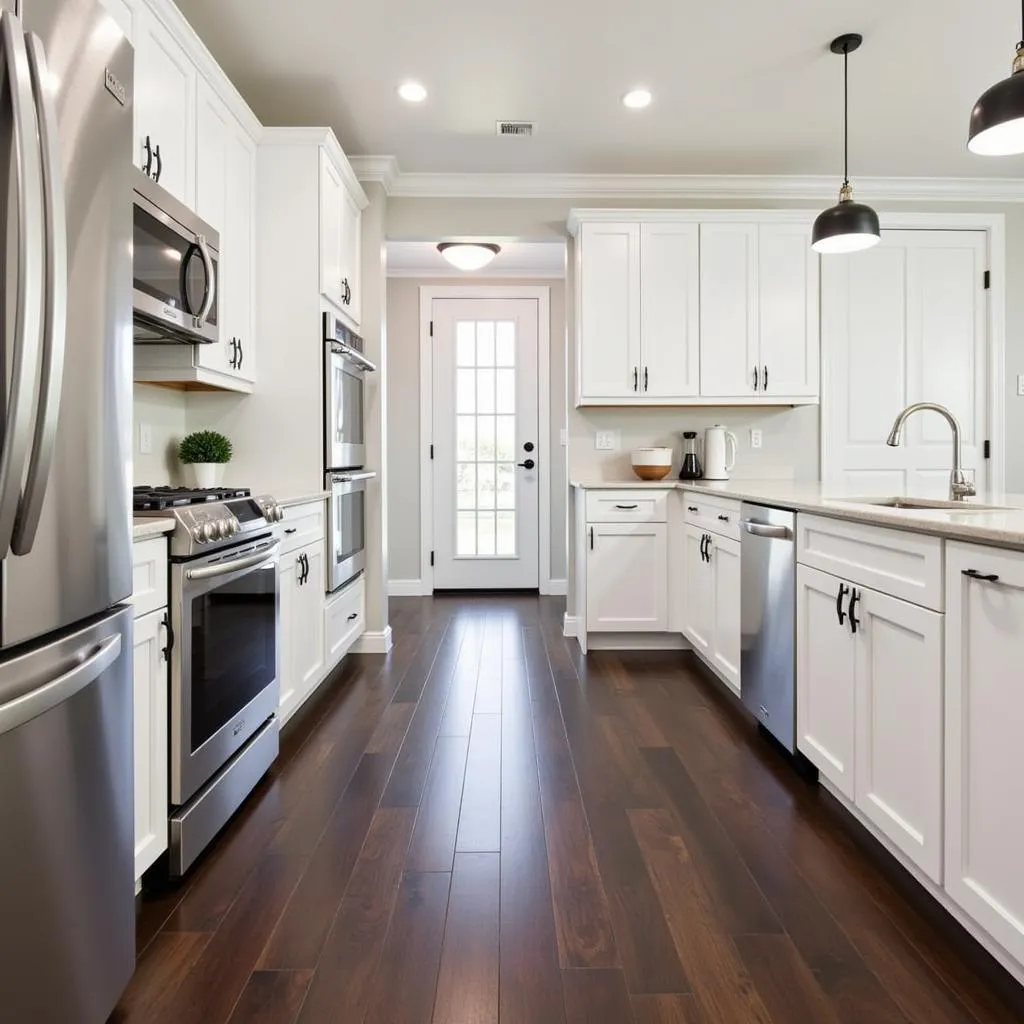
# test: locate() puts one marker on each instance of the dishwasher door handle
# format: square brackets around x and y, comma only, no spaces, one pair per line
[759,529]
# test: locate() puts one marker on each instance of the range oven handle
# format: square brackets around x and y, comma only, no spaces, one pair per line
[209,572]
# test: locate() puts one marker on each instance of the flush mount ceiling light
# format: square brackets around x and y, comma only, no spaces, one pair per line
[847,226]
[412,92]
[997,120]
[468,255]
[637,99]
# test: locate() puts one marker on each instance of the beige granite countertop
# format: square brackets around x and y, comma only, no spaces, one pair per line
[146,527]
[1003,527]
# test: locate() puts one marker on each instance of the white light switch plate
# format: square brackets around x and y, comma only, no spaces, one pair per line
[755,438]
[606,440]
[145,439]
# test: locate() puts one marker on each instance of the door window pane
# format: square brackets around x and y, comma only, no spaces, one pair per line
[505,443]
[485,533]
[465,343]
[485,485]
[484,344]
[505,384]
[465,391]
[465,433]
[485,438]
[465,534]
[505,485]
[466,485]
[505,346]
[505,541]
[485,391]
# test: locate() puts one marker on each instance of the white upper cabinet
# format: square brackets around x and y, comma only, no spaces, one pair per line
[984,726]
[340,238]
[609,313]
[165,107]
[351,257]
[669,311]
[684,308]
[788,311]
[728,310]
[238,257]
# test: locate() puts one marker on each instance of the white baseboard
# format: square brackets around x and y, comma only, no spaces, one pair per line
[555,588]
[406,588]
[568,625]
[636,642]
[373,642]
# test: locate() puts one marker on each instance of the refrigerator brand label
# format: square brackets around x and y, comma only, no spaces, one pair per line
[114,87]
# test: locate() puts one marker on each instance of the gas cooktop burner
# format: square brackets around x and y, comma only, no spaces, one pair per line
[155,499]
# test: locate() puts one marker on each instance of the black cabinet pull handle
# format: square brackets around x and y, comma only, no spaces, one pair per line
[166,651]
[975,575]
[707,548]
[692,508]
[159,164]
[757,378]
[854,621]
[591,538]
[627,508]
[703,553]
[241,353]
[724,519]
[346,292]
[636,378]
[148,169]
[354,615]
[765,387]
[291,530]
[526,464]
[843,591]
[645,378]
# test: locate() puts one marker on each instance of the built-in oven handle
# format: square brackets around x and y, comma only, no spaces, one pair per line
[759,529]
[224,568]
[351,478]
[211,282]
[357,357]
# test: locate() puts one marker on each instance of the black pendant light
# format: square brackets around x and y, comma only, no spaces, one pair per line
[997,120]
[847,226]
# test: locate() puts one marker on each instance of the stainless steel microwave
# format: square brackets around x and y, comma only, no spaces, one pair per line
[175,270]
[345,369]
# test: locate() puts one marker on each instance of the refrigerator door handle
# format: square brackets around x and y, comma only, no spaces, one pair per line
[30,705]
[55,305]
[28,297]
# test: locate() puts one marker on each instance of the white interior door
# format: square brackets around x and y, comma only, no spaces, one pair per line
[905,322]
[485,388]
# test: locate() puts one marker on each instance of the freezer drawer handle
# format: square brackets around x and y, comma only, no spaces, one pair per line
[30,705]
[759,529]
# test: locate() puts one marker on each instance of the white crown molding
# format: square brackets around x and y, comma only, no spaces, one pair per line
[419,185]
[325,137]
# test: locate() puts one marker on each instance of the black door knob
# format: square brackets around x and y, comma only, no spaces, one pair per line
[528,464]
[528,447]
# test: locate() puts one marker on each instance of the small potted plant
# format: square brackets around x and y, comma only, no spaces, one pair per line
[203,454]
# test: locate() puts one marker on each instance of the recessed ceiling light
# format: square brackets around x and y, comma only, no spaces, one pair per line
[468,255]
[412,92]
[637,99]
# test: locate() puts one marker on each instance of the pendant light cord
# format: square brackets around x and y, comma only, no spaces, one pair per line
[846,114]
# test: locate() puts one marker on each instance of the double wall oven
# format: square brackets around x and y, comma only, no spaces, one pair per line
[345,370]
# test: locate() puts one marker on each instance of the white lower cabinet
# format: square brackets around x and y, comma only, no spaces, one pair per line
[302,626]
[984,728]
[698,618]
[627,577]
[344,621]
[869,707]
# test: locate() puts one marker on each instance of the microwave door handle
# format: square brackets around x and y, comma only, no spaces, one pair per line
[27,296]
[210,295]
[210,572]
[55,306]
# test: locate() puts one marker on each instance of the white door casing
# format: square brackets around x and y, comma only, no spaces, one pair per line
[485,430]
[905,322]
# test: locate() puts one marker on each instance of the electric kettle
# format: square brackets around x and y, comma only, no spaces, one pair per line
[717,460]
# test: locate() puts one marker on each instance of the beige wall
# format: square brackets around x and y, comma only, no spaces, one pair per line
[164,410]
[405,445]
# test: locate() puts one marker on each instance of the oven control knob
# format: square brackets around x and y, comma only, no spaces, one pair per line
[230,527]
[217,526]
[207,529]
[197,534]
[278,513]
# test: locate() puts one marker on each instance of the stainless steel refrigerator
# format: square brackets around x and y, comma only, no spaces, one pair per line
[66,792]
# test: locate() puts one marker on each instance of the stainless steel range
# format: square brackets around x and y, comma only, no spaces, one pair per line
[225,611]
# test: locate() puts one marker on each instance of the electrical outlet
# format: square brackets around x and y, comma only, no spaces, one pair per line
[145,438]
[755,438]
[563,437]
[606,440]
[1020,385]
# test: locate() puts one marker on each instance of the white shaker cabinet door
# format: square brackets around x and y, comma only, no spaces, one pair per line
[984,731]
[725,573]
[898,656]
[627,577]
[332,213]
[609,313]
[699,613]
[825,677]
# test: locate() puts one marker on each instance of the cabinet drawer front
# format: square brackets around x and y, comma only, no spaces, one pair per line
[716,515]
[149,575]
[895,562]
[344,621]
[302,525]
[627,506]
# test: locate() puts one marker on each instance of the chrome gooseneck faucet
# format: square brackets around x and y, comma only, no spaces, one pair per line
[960,488]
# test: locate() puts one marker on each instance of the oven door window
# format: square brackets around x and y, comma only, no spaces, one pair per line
[348,405]
[349,531]
[234,649]
[168,267]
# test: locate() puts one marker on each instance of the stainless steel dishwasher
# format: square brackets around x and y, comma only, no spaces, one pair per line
[768,619]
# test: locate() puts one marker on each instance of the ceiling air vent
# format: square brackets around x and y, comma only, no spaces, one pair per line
[514,128]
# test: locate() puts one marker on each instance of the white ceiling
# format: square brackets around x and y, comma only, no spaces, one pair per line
[744,87]
[516,259]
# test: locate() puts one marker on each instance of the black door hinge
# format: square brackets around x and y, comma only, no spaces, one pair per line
[988,449]
[431,453]
[988,278]
[431,328]
[431,557]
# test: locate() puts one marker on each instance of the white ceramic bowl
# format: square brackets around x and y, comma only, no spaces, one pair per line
[652,463]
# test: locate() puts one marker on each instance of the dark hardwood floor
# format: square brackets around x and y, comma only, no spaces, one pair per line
[486,826]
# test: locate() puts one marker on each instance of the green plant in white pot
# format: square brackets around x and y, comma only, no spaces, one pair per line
[204,454]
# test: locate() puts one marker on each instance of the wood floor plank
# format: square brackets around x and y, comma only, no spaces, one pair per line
[391,729]
[480,818]
[437,824]
[674,1009]
[271,997]
[723,988]
[783,980]
[159,973]
[405,984]
[641,789]
[645,729]
[299,936]
[596,997]
[467,985]
[458,712]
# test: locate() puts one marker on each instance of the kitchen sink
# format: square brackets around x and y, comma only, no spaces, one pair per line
[925,504]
